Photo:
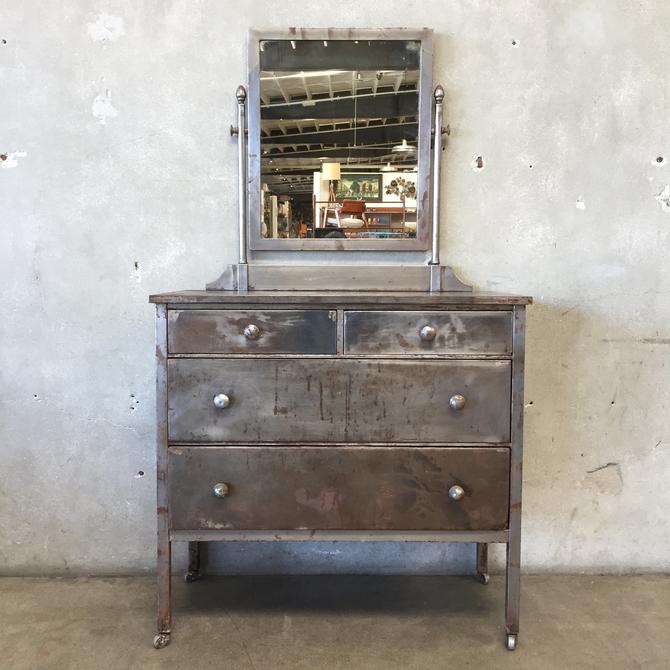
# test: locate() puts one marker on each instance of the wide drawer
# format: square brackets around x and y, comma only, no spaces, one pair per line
[212,331]
[426,332]
[338,400]
[338,488]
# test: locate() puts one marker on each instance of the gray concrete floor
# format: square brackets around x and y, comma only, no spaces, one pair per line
[272,623]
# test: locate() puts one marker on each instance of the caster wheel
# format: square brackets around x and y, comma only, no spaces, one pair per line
[161,640]
[510,642]
[483,577]
[191,577]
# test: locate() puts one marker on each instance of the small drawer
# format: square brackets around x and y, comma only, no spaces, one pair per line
[445,332]
[242,400]
[338,488]
[212,331]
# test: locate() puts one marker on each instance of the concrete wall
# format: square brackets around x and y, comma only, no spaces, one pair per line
[120,180]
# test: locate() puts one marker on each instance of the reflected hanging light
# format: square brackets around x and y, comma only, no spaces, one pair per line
[403,148]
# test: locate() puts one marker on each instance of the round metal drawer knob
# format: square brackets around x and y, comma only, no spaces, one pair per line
[456,492]
[457,401]
[427,333]
[221,490]
[221,401]
[252,332]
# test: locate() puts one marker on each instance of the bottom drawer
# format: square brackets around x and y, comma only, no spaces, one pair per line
[338,488]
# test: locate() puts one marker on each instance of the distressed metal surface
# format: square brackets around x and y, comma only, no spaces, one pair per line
[380,489]
[482,565]
[397,332]
[241,95]
[222,331]
[291,400]
[226,281]
[341,298]
[513,573]
[163,546]
[448,280]
[437,155]
[268,277]
[344,488]
[340,277]
[203,536]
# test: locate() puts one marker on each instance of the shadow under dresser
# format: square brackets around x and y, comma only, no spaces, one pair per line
[291,415]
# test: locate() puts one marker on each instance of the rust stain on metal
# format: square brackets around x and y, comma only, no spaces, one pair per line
[402,341]
[369,488]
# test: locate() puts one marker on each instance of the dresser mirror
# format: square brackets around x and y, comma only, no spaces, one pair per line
[339,139]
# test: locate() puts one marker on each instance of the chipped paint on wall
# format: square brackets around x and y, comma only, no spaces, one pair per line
[106,28]
[11,159]
[102,107]
[663,198]
[580,204]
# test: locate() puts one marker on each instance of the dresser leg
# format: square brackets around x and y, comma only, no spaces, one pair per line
[483,562]
[195,551]
[513,580]
[163,623]
[512,591]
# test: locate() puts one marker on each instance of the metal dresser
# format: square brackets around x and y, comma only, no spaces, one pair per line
[339,401]
[295,415]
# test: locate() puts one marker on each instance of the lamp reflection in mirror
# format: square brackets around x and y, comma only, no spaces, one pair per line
[330,172]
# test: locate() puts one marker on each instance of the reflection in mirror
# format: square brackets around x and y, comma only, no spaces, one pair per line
[339,129]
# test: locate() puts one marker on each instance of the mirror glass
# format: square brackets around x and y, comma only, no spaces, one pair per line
[339,139]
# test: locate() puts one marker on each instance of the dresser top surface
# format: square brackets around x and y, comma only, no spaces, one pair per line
[338,297]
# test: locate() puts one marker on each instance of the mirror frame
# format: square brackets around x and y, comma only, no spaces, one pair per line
[423,229]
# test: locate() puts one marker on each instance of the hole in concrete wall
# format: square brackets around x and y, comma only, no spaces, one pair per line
[3,157]
[4,41]
[515,43]
[478,163]
[660,160]
[531,402]
[140,473]
[35,396]
[530,166]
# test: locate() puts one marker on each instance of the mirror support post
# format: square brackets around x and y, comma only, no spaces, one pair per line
[242,268]
[437,151]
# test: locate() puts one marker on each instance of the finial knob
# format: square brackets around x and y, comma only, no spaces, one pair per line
[241,94]
[439,94]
